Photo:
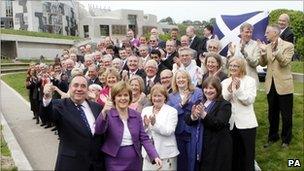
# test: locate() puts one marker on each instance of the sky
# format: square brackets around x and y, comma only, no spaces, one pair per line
[196,10]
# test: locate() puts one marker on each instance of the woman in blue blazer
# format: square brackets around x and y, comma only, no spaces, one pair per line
[183,97]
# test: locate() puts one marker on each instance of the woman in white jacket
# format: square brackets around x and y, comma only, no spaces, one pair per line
[240,90]
[160,121]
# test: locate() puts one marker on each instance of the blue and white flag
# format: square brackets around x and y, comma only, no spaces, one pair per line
[227,27]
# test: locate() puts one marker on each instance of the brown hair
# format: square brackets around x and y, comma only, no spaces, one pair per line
[216,56]
[112,71]
[216,83]
[159,88]
[119,87]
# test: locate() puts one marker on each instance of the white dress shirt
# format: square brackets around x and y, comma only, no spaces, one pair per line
[126,136]
[87,111]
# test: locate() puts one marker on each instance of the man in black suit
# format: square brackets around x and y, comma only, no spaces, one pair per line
[133,66]
[151,77]
[171,54]
[156,55]
[286,33]
[93,75]
[196,43]
[79,147]
[174,35]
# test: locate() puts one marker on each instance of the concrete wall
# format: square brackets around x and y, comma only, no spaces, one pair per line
[28,50]
[27,47]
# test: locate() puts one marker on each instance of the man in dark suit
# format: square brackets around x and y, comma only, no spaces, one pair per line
[286,33]
[133,67]
[174,35]
[156,55]
[79,147]
[93,76]
[171,54]
[196,43]
[151,77]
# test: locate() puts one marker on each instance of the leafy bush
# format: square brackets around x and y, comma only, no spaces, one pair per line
[297,25]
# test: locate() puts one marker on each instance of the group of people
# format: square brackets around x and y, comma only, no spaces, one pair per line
[188,106]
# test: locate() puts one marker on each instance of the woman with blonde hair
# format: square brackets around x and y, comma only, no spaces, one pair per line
[111,78]
[139,99]
[160,121]
[240,90]
[183,97]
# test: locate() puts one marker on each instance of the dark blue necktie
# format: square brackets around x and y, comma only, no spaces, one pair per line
[84,118]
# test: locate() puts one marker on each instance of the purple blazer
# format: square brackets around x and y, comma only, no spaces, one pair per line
[112,126]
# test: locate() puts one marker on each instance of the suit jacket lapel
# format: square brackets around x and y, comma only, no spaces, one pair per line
[75,118]
[94,109]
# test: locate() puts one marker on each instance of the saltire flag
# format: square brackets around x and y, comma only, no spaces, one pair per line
[227,27]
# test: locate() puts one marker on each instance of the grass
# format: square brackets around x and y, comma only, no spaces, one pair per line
[297,66]
[4,148]
[17,82]
[37,34]
[273,158]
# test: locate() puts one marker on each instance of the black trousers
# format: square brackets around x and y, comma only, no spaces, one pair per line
[243,149]
[276,104]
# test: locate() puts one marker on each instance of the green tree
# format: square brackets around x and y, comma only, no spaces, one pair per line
[296,23]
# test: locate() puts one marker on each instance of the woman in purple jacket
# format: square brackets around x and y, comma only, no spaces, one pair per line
[124,132]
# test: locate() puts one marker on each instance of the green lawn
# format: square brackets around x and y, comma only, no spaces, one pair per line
[4,148]
[17,82]
[297,66]
[37,34]
[273,158]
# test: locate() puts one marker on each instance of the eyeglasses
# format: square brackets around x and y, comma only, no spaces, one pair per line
[212,47]
[234,66]
[162,78]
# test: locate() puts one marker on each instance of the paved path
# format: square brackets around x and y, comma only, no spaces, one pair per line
[39,144]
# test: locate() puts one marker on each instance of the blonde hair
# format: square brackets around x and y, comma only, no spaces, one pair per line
[140,81]
[241,62]
[190,87]
[159,88]
[112,71]
[119,87]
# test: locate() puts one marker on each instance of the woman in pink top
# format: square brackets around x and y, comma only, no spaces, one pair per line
[112,77]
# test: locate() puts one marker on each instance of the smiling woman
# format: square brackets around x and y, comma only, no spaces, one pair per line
[124,132]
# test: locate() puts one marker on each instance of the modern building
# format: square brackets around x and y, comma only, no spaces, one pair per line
[59,17]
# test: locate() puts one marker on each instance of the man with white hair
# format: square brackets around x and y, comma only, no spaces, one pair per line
[161,44]
[185,62]
[277,56]
[286,33]
[196,43]
[151,77]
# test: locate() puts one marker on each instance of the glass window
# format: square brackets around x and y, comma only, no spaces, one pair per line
[119,29]
[104,30]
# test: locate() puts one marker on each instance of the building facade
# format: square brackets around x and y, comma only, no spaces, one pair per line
[60,17]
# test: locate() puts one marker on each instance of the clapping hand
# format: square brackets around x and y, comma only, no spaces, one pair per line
[231,48]
[146,121]
[152,119]
[262,46]
[235,83]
